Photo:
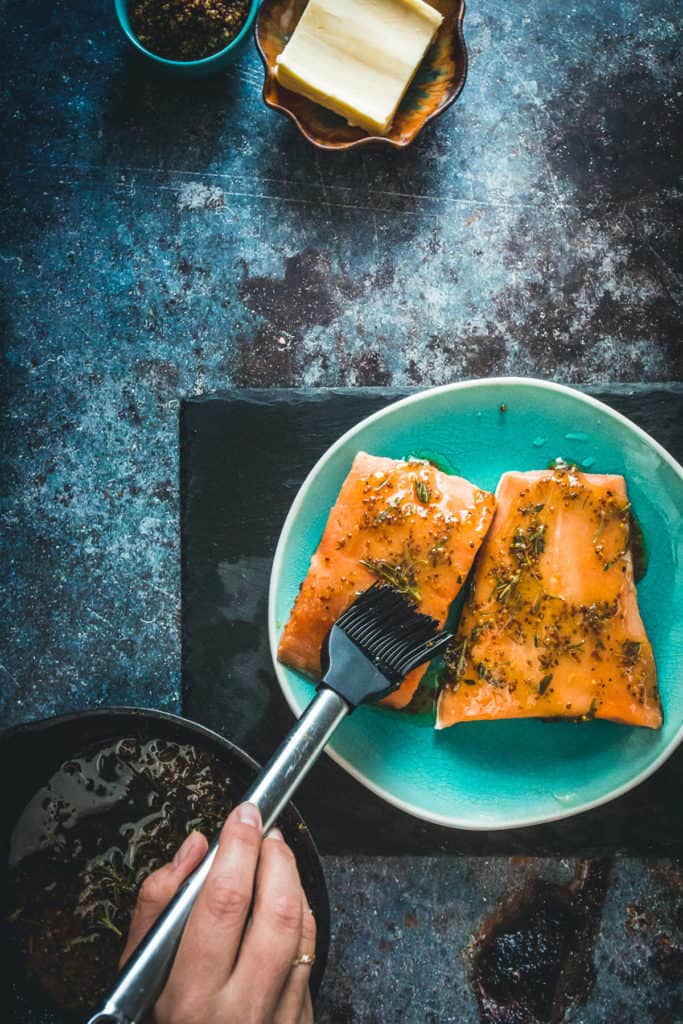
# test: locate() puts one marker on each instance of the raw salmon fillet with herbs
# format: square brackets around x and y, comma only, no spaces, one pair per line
[552,627]
[400,522]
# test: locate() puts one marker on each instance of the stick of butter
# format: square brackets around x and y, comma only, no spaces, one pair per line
[358,57]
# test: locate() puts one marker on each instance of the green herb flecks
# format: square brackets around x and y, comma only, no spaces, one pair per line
[529,510]
[548,657]
[545,683]
[106,922]
[505,585]
[438,553]
[401,576]
[537,539]
[590,714]
[455,657]
[573,649]
[527,544]
[621,514]
[423,492]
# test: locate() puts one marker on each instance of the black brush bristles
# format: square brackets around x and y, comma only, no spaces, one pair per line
[388,640]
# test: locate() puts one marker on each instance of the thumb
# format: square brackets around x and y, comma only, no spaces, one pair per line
[159,888]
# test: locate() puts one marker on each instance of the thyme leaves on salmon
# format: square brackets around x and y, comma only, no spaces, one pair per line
[555,644]
[401,576]
[438,553]
[526,510]
[455,658]
[612,510]
[505,584]
[423,492]
[528,543]
[591,713]
[545,683]
[526,546]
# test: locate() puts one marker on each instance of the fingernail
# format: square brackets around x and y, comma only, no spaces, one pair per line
[275,833]
[248,814]
[185,850]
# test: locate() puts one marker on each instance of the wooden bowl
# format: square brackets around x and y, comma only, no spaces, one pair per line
[437,84]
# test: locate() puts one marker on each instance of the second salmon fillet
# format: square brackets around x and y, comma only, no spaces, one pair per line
[400,522]
[552,627]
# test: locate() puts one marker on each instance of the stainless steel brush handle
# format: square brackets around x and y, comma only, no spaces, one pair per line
[144,976]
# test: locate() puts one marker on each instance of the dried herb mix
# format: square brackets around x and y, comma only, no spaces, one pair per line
[187,29]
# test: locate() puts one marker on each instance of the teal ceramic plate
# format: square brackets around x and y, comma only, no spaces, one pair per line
[491,775]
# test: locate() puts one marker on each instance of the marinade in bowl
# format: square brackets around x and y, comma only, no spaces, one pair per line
[97,802]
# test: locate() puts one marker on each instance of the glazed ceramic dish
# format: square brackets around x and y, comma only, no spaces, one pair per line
[505,774]
[437,84]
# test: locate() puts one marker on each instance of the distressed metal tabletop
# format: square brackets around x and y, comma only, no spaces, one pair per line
[165,239]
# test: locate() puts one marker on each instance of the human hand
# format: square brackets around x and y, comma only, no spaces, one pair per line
[232,967]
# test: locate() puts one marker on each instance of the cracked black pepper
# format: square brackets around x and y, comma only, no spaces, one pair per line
[187,29]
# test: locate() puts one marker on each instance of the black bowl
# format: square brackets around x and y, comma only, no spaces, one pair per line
[31,753]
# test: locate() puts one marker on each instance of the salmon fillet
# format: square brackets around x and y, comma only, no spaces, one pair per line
[401,522]
[552,627]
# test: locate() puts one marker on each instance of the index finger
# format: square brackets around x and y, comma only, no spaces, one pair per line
[214,929]
[160,887]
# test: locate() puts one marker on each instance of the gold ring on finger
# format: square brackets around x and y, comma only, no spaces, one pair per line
[303,959]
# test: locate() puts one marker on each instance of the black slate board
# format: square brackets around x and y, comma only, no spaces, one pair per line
[243,457]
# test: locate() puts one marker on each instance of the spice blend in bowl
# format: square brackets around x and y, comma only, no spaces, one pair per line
[186,30]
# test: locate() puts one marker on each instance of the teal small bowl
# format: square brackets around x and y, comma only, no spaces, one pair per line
[190,68]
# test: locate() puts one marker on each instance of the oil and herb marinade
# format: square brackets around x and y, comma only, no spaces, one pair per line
[85,843]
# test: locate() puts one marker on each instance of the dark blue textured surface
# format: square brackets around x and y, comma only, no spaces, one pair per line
[164,239]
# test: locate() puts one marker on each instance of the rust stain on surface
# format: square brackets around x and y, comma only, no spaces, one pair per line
[534,957]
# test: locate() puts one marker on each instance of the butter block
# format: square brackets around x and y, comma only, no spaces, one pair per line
[358,57]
